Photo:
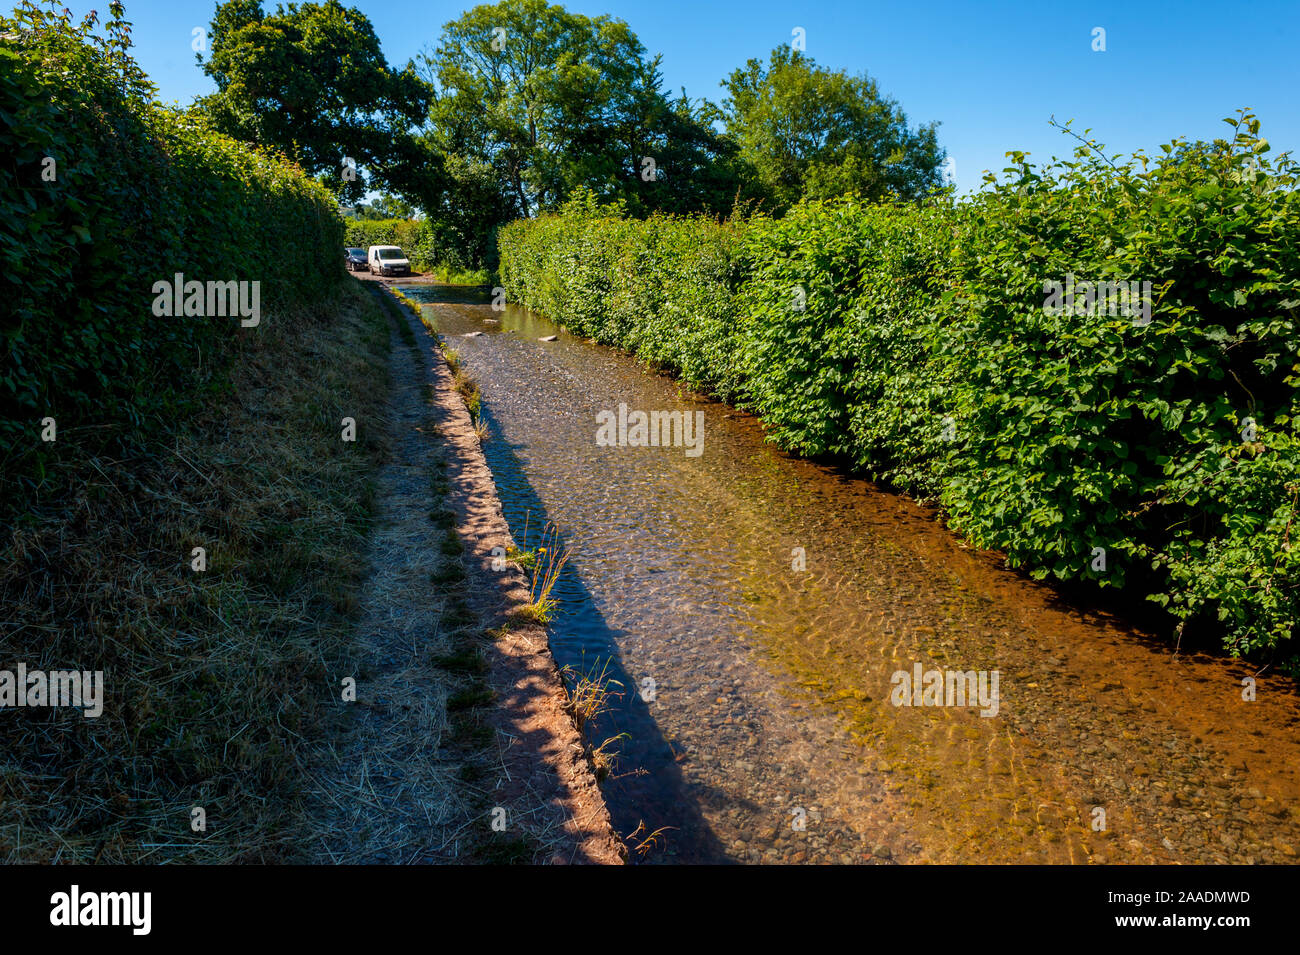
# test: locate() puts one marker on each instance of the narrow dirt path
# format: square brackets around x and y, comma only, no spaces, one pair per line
[459,746]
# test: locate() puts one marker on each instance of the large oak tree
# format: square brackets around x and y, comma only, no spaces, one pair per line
[310,79]
[554,101]
[807,131]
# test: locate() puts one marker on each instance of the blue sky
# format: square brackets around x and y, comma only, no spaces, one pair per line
[992,73]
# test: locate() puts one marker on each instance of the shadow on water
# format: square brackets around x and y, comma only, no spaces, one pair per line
[439,294]
[646,785]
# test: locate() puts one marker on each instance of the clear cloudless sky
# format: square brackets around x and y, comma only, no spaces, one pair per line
[991,73]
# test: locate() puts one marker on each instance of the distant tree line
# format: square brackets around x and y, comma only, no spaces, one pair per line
[519,105]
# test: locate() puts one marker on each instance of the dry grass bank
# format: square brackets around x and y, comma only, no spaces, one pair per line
[399,777]
[325,560]
[215,680]
[477,727]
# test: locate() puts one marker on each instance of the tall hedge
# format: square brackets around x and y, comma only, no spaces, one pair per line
[664,287]
[1173,443]
[107,193]
[1155,450]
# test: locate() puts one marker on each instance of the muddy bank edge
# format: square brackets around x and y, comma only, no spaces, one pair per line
[543,759]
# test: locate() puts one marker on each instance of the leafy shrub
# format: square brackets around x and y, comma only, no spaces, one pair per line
[844,307]
[923,344]
[662,287]
[138,193]
[1081,431]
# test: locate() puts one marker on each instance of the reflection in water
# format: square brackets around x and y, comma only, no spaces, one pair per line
[757,607]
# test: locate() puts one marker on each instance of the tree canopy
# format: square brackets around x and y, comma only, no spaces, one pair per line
[521,104]
[310,80]
[807,131]
[551,100]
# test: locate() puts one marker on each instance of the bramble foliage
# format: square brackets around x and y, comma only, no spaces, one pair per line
[845,334]
[139,193]
[1096,430]
[915,342]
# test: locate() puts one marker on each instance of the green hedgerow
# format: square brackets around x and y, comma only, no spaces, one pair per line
[1140,434]
[107,193]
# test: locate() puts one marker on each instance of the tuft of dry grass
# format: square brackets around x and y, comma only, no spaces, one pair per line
[649,841]
[452,357]
[604,758]
[544,564]
[590,694]
[468,389]
[215,680]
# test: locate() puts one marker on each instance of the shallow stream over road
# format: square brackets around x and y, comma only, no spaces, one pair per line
[757,608]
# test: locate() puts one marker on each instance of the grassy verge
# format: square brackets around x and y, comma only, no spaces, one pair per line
[467,763]
[216,680]
[453,275]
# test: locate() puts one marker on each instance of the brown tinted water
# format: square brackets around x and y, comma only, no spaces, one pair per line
[768,733]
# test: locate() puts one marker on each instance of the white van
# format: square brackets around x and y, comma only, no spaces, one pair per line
[387,260]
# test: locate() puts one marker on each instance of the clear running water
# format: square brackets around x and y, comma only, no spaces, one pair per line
[757,695]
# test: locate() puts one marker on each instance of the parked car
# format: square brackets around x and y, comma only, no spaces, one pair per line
[354,259]
[388,260]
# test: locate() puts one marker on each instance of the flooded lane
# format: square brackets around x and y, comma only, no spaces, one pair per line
[756,609]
